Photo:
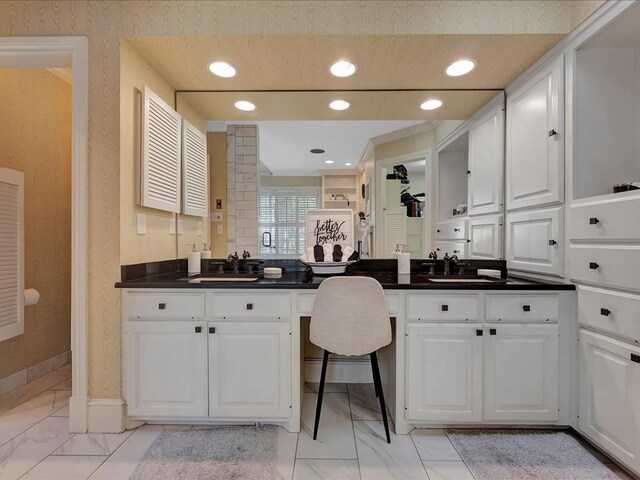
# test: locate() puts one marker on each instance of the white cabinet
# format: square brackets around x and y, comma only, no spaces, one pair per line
[250,369]
[195,171]
[444,372]
[166,368]
[609,385]
[521,373]
[452,247]
[485,235]
[486,160]
[535,241]
[535,166]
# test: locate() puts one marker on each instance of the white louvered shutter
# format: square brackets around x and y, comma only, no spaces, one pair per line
[195,171]
[11,253]
[160,169]
[395,230]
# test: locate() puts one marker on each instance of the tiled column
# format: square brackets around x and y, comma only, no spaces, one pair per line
[242,189]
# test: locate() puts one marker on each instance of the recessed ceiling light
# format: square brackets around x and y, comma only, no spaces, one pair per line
[316,150]
[431,104]
[339,105]
[328,162]
[222,69]
[347,164]
[343,68]
[461,67]
[245,106]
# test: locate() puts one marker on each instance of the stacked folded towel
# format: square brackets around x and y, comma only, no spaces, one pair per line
[328,253]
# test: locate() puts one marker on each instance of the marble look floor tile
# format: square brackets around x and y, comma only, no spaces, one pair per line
[65,468]
[22,417]
[101,444]
[335,433]
[433,444]
[326,470]
[447,470]
[61,412]
[121,464]
[64,385]
[379,460]
[287,445]
[26,392]
[364,403]
[328,387]
[25,451]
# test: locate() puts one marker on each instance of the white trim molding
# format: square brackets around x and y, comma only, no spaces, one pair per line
[106,415]
[65,52]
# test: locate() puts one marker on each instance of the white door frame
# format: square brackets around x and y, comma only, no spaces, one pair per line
[378,231]
[64,52]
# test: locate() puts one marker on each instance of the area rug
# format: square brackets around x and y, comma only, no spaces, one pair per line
[526,455]
[225,453]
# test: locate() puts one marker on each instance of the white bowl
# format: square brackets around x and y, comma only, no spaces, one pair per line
[328,268]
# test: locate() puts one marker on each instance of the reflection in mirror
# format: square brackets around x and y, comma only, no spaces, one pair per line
[264,183]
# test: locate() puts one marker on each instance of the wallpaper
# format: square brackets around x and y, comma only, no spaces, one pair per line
[105,22]
[37,141]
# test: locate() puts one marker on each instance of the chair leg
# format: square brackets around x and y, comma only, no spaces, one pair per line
[377,381]
[323,376]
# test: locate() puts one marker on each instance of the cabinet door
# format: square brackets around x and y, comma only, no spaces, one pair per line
[486,159]
[166,368]
[451,247]
[250,370]
[521,373]
[535,173]
[609,385]
[535,241]
[444,372]
[485,235]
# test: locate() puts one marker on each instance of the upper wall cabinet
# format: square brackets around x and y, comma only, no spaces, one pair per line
[159,161]
[535,160]
[486,140]
[195,171]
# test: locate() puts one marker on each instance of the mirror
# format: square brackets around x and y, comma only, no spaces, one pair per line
[381,130]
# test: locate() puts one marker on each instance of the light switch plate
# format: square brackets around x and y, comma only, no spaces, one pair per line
[199,228]
[141,224]
[216,216]
[219,229]
[172,226]
[180,226]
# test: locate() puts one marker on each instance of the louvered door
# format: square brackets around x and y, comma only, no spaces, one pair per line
[395,230]
[160,154]
[195,171]
[11,253]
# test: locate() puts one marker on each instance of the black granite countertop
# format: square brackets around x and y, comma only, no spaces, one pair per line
[171,274]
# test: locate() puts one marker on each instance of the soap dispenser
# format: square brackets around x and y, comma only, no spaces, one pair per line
[193,261]
[404,261]
[206,252]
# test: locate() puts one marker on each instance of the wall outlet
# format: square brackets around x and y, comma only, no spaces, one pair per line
[216,216]
[180,227]
[141,224]
[219,203]
[219,229]
[172,226]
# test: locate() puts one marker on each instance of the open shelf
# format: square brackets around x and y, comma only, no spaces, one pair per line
[453,163]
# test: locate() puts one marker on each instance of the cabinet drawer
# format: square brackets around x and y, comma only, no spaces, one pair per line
[614,266]
[451,230]
[611,220]
[252,305]
[452,248]
[442,308]
[522,308]
[613,312]
[164,305]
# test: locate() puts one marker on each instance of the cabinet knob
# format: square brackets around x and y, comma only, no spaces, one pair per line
[212,329]
[445,308]
[456,229]
[456,251]
[479,332]
[552,132]
[526,308]
[492,331]
[593,265]
[249,306]
[438,231]
[605,312]
[635,358]
[552,242]
[594,221]
[162,306]
[198,329]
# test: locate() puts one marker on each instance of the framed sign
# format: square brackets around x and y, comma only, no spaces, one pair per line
[330,226]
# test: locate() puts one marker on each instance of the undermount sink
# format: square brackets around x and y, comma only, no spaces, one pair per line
[461,280]
[223,277]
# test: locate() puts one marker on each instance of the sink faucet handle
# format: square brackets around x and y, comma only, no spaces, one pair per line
[246,255]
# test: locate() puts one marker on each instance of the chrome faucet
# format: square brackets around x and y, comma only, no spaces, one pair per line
[447,261]
[234,261]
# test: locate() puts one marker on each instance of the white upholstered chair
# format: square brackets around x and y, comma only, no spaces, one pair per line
[350,317]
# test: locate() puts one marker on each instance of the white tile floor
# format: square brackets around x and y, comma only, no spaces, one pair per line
[35,444]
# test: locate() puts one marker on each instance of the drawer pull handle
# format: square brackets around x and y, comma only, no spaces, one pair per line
[438,231]
[162,306]
[249,306]
[445,308]
[456,251]
[635,358]
[605,312]
[552,132]
[212,329]
[594,221]
[552,242]
[478,333]
[456,229]
[492,331]
[593,265]
[526,308]
[198,329]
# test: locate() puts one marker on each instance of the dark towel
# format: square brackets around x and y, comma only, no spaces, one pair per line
[354,256]
[337,253]
[318,253]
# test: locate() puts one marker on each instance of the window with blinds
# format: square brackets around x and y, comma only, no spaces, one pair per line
[282,216]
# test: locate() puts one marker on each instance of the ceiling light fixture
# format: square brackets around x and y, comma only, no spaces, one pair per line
[222,69]
[461,67]
[328,162]
[245,106]
[317,150]
[431,104]
[347,164]
[339,105]
[343,68]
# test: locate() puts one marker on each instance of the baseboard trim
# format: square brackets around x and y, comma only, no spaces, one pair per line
[78,414]
[106,415]
[29,374]
[339,370]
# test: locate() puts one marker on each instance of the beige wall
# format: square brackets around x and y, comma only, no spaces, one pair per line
[217,146]
[104,23]
[444,128]
[405,145]
[37,141]
[284,181]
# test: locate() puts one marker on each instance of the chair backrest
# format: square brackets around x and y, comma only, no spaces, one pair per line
[350,316]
